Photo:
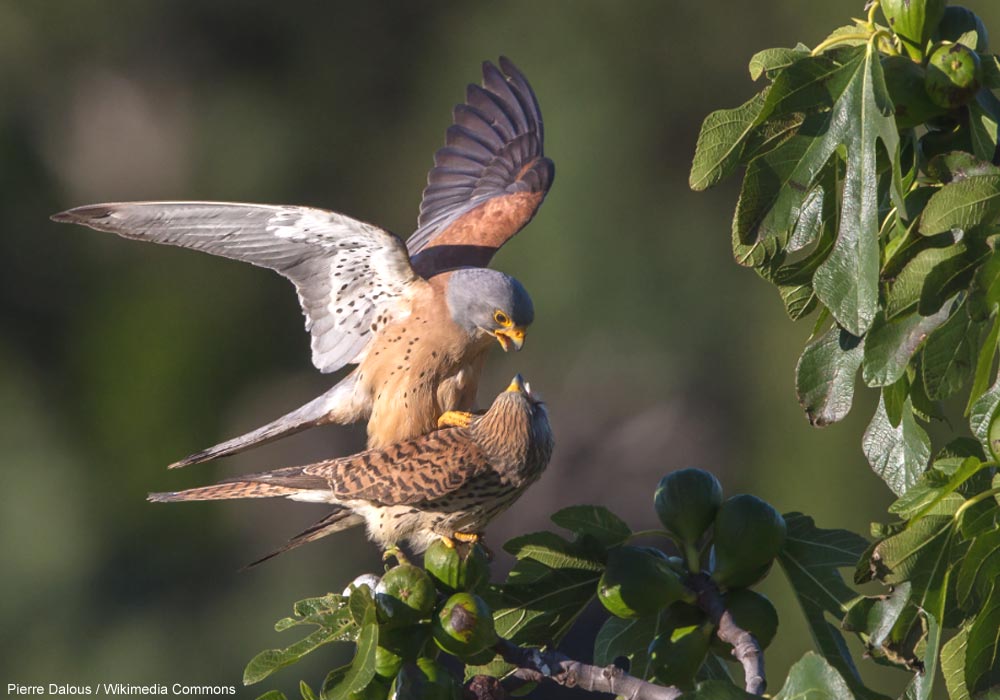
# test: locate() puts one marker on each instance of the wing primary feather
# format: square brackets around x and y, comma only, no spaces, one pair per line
[493,151]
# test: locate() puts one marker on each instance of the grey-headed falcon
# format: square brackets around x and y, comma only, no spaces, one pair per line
[448,483]
[417,319]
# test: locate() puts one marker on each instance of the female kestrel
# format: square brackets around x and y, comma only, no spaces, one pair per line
[449,483]
[416,319]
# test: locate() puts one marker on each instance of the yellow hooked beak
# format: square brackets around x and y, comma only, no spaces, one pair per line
[517,384]
[510,338]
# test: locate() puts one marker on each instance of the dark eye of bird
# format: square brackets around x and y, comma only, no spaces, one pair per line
[501,318]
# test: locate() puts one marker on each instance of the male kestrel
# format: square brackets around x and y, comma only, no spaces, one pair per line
[449,483]
[416,319]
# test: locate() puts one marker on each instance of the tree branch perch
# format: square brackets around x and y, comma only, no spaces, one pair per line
[746,648]
[535,665]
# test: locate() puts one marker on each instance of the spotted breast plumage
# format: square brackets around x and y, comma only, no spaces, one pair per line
[447,483]
[417,319]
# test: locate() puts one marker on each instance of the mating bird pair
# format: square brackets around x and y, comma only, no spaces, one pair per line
[417,319]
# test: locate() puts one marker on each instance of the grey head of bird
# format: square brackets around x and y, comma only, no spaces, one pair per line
[515,431]
[489,303]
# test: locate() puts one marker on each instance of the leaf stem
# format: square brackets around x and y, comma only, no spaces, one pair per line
[839,39]
[974,500]
[872,9]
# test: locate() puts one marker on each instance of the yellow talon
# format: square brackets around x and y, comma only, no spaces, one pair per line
[455,419]
[467,537]
[448,542]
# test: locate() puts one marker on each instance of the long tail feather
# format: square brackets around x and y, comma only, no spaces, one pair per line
[340,519]
[341,404]
[224,491]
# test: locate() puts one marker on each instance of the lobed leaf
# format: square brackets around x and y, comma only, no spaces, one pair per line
[772,60]
[542,611]
[949,355]
[629,638]
[933,487]
[982,655]
[953,665]
[362,668]
[825,373]
[898,454]
[979,569]
[810,559]
[889,345]
[597,521]
[814,678]
[847,281]
[875,617]
[906,289]
[552,551]
[721,141]
[962,204]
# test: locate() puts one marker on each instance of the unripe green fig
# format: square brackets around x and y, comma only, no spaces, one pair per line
[404,596]
[913,21]
[407,642]
[954,75]
[458,568]
[387,662]
[676,655]
[637,583]
[425,680]
[959,20]
[752,612]
[904,80]
[686,501]
[464,626]
[748,534]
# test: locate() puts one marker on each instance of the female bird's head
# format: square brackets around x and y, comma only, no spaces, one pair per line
[516,427]
[489,303]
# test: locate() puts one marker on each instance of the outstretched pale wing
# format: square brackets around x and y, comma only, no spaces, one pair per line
[488,180]
[351,277]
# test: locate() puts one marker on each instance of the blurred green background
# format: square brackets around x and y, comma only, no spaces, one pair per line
[652,347]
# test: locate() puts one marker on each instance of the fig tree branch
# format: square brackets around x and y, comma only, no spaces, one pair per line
[536,666]
[746,649]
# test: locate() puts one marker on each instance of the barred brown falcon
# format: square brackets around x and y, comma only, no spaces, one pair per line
[416,319]
[447,483]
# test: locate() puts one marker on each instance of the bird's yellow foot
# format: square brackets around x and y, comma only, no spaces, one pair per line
[470,539]
[448,542]
[394,552]
[455,419]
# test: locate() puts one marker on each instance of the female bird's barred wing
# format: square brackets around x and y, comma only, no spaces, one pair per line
[351,277]
[409,472]
[488,180]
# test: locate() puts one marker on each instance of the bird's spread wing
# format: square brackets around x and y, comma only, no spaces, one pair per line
[488,180]
[351,277]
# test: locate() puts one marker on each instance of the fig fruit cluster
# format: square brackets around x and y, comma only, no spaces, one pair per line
[940,69]
[734,541]
[423,611]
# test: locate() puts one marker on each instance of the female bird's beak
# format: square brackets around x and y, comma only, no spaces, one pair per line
[517,384]
[510,338]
